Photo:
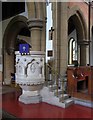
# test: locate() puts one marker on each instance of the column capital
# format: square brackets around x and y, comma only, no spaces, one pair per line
[84,42]
[35,22]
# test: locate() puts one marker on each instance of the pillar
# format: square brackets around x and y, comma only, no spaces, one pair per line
[1,51]
[82,55]
[56,6]
[84,52]
[60,43]
[63,56]
[37,25]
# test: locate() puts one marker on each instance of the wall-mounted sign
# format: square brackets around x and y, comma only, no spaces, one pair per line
[50,53]
[24,48]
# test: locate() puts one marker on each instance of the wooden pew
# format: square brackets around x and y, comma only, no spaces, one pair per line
[80,80]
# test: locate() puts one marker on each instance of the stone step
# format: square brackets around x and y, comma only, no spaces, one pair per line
[83,102]
[64,97]
[53,100]
[68,102]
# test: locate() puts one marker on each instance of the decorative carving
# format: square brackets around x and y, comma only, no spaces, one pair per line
[32,67]
[25,60]
[20,69]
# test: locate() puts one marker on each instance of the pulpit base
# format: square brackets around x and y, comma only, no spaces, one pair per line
[30,99]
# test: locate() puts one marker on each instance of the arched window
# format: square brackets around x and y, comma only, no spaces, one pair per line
[72,51]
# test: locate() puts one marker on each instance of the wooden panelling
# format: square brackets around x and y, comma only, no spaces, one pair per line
[80,80]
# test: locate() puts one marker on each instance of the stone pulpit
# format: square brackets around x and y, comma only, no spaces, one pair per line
[30,75]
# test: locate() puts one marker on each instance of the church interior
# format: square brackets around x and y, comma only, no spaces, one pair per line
[41,82]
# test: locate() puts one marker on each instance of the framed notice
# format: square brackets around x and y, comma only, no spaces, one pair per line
[24,48]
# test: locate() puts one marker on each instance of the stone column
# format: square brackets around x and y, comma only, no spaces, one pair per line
[37,25]
[84,52]
[1,51]
[82,55]
[56,6]
[63,56]
[60,43]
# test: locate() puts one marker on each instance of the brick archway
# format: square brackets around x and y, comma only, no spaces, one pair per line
[76,22]
[15,27]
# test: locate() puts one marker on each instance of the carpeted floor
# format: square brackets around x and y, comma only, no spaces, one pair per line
[6,115]
[11,107]
[4,90]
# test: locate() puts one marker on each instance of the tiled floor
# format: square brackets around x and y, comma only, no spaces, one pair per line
[11,105]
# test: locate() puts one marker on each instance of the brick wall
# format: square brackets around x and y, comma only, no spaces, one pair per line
[83,8]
